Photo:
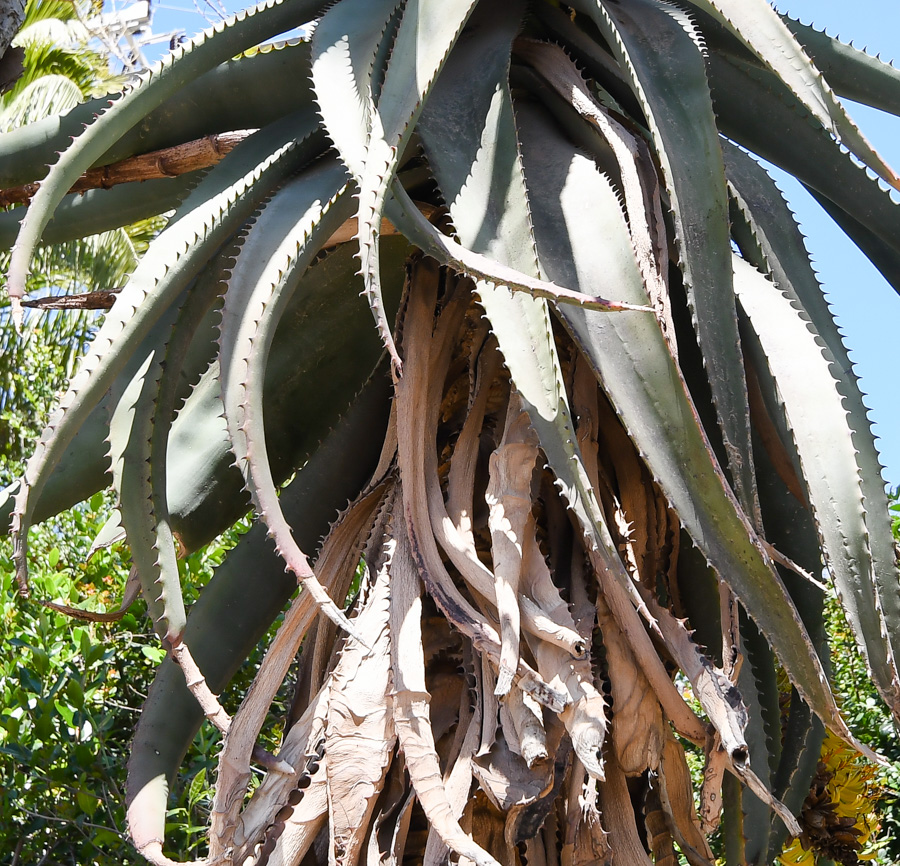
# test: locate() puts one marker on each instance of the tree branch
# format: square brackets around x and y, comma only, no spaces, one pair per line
[169,162]
[12,14]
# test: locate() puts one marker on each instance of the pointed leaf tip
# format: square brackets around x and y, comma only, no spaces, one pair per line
[17,312]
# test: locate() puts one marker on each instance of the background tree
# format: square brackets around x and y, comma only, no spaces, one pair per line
[69,695]
[12,14]
[59,71]
[618,508]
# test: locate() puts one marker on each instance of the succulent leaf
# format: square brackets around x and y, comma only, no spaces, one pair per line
[290,230]
[809,154]
[852,73]
[99,210]
[425,36]
[817,419]
[233,613]
[209,216]
[204,105]
[344,50]
[671,86]
[149,534]
[635,368]
[783,255]
[759,27]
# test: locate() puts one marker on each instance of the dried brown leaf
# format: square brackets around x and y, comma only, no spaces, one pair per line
[585,714]
[677,802]
[411,699]
[619,819]
[359,736]
[638,729]
[296,826]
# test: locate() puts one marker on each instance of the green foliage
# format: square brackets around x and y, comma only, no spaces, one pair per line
[71,692]
[868,716]
[866,713]
[895,514]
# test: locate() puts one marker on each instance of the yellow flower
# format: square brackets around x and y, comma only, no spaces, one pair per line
[796,855]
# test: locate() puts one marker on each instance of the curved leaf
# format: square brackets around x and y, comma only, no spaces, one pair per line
[759,689]
[211,214]
[232,614]
[139,437]
[758,26]
[885,256]
[99,210]
[633,364]
[662,52]
[426,34]
[205,105]
[814,411]
[148,533]
[851,72]
[473,169]
[289,233]
[784,256]
[344,49]
[754,113]
[790,527]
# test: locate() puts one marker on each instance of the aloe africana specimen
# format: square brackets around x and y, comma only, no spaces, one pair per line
[620,438]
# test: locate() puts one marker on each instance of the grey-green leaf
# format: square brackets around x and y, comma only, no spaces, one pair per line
[758,26]
[635,368]
[852,73]
[215,46]
[232,614]
[656,43]
[818,420]
[210,215]
[753,111]
[784,257]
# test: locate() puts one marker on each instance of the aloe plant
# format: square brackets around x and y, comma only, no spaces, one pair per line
[595,447]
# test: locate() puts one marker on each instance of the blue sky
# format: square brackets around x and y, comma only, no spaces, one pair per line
[867,308]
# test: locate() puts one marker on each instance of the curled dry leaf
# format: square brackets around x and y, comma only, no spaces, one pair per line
[508,497]
[493,681]
[638,727]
